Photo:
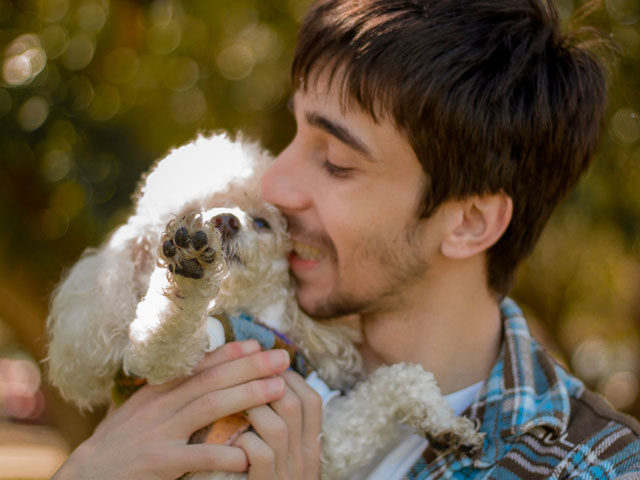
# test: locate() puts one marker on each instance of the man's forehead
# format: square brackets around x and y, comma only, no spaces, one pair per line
[317,112]
[321,103]
[354,93]
[331,95]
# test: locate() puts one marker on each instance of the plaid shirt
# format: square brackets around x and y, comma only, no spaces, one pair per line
[539,422]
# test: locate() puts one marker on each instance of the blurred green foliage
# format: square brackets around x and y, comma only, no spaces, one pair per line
[92,91]
[583,281]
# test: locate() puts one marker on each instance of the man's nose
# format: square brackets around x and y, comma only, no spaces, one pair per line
[284,184]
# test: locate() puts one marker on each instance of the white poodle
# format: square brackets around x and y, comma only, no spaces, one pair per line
[199,249]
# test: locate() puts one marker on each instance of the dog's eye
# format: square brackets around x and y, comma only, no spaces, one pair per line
[261,224]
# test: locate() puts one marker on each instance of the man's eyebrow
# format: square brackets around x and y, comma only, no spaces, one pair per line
[338,131]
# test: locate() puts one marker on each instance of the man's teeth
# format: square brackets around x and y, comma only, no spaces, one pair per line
[307,252]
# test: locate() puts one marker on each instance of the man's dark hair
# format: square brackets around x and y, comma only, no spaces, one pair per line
[490,94]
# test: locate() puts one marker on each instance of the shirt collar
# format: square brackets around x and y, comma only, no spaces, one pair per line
[526,390]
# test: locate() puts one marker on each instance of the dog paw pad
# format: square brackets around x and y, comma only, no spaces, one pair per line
[182,237]
[169,248]
[189,254]
[190,269]
[199,240]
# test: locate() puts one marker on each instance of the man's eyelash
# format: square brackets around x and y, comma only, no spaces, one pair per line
[336,171]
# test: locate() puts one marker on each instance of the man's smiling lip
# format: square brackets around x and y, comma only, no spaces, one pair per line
[305,251]
[304,257]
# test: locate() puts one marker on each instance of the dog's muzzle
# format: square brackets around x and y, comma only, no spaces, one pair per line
[228,225]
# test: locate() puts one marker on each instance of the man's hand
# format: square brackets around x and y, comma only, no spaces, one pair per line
[146,438]
[286,442]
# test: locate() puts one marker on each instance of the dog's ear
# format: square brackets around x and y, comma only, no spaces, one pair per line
[474,224]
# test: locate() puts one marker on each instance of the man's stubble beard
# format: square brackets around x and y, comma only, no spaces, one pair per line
[395,268]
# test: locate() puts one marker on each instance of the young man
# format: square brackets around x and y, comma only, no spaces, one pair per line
[434,139]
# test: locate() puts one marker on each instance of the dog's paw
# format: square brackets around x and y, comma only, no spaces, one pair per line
[190,247]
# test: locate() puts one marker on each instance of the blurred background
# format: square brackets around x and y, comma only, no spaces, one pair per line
[92,91]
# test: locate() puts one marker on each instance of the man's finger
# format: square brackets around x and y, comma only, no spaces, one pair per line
[221,403]
[206,457]
[225,375]
[311,404]
[226,353]
[289,409]
[262,460]
[272,428]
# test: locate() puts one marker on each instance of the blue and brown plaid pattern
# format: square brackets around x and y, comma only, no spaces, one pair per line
[539,422]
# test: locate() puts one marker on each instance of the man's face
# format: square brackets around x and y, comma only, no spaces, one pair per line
[350,189]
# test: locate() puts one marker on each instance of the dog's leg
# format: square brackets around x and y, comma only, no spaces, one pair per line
[358,426]
[169,335]
[89,317]
[330,347]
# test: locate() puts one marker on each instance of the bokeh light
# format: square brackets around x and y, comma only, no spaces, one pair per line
[80,92]
[265,42]
[105,102]
[163,39]
[625,125]
[33,113]
[70,198]
[53,10]
[49,80]
[56,165]
[235,61]
[621,389]
[91,15]
[188,107]
[238,18]
[565,8]
[24,59]
[256,94]
[120,65]
[181,73]
[626,12]
[592,359]
[162,12]
[54,223]
[150,72]
[629,39]
[92,91]
[55,40]
[79,52]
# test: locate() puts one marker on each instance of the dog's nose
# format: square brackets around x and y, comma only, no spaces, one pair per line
[227,223]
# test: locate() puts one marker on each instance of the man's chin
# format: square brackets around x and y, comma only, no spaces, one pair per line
[326,308]
[309,305]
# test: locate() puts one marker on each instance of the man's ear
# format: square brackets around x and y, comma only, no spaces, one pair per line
[473,225]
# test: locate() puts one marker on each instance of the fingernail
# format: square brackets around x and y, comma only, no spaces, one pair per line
[278,358]
[250,346]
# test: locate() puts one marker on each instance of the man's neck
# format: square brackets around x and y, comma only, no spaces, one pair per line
[451,327]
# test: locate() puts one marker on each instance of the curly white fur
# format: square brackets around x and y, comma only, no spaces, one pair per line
[125,303]
[416,401]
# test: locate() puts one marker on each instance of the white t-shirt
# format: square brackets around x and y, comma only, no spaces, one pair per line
[395,462]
